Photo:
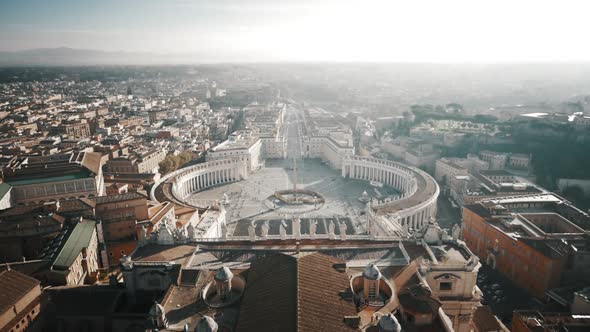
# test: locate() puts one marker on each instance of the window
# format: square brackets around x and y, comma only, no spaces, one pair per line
[446,286]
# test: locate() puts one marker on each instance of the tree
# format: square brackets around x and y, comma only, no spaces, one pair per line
[172,162]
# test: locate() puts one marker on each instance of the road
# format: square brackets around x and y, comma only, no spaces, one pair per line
[293,132]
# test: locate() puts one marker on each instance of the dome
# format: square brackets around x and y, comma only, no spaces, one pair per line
[223,274]
[156,310]
[388,323]
[206,324]
[372,272]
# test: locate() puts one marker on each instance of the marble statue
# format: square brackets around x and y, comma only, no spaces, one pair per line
[331,229]
[342,226]
[264,229]
[296,224]
[283,230]
[252,231]
[312,229]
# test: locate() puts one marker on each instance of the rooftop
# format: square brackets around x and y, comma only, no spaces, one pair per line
[297,293]
[79,239]
[118,198]
[13,287]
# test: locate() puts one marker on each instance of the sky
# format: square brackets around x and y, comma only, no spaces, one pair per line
[301,30]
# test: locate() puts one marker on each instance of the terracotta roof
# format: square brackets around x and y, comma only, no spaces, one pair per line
[180,254]
[13,286]
[484,320]
[270,298]
[295,294]
[92,161]
[320,307]
[118,198]
[98,300]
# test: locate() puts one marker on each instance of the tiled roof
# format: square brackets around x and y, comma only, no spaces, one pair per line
[13,286]
[484,320]
[118,198]
[295,294]
[320,306]
[92,161]
[270,298]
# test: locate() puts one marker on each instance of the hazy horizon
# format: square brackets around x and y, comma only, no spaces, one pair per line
[378,31]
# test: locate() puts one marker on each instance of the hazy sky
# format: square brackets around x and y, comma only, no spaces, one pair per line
[271,30]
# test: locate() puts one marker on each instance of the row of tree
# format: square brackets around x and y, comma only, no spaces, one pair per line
[172,162]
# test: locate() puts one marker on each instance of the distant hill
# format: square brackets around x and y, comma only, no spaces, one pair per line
[64,56]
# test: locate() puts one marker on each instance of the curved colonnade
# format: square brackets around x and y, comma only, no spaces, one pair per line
[420,191]
[178,185]
[412,210]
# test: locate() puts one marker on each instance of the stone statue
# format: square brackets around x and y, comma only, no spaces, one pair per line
[405,229]
[224,230]
[181,234]
[312,229]
[144,236]
[190,232]
[283,230]
[331,229]
[252,231]
[342,227]
[296,224]
[264,229]
[456,232]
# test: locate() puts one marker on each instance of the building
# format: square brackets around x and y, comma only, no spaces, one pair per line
[533,321]
[39,179]
[497,160]
[74,129]
[423,156]
[355,289]
[241,145]
[19,301]
[331,148]
[485,321]
[529,239]
[486,184]
[76,260]
[138,162]
[519,161]
[122,219]
[446,169]
[343,285]
[25,230]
